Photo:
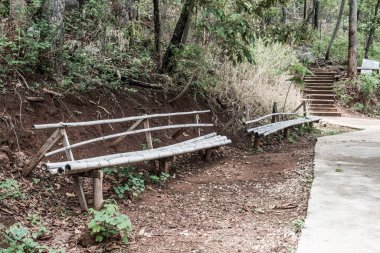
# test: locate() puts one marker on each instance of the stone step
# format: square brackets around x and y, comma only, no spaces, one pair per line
[319,101]
[323,74]
[322,109]
[311,91]
[320,84]
[319,87]
[329,114]
[320,77]
[318,81]
[321,106]
[320,96]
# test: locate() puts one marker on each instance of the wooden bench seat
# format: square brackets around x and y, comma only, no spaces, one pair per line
[91,167]
[201,143]
[276,124]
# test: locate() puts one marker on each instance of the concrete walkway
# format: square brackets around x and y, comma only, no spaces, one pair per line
[344,206]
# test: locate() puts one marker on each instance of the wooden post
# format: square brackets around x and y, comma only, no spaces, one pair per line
[208,153]
[148,135]
[164,165]
[54,138]
[304,108]
[256,143]
[197,120]
[274,110]
[77,183]
[286,132]
[98,190]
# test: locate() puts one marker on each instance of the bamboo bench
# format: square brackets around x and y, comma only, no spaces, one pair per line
[276,124]
[91,167]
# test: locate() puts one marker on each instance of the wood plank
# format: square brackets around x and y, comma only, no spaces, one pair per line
[53,139]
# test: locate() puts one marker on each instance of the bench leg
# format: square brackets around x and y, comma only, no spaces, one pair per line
[201,153]
[80,193]
[256,142]
[164,166]
[311,125]
[207,156]
[286,132]
[98,190]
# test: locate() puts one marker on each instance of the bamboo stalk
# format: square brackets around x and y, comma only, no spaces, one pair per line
[73,168]
[124,134]
[271,115]
[112,121]
[61,165]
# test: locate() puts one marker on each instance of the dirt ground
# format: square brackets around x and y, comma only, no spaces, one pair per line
[241,202]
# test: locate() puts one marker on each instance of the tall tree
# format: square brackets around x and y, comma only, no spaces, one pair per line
[284,16]
[352,69]
[54,12]
[177,36]
[337,26]
[17,13]
[371,31]
[120,12]
[157,31]
[316,14]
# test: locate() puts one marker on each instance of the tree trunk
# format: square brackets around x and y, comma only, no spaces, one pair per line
[120,11]
[284,15]
[17,13]
[54,11]
[177,36]
[316,14]
[132,10]
[304,9]
[157,32]
[187,28]
[371,32]
[337,26]
[352,70]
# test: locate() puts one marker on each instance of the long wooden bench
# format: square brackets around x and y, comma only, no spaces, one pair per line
[277,124]
[91,167]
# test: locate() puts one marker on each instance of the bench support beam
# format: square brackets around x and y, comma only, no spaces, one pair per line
[98,190]
[256,142]
[207,155]
[164,166]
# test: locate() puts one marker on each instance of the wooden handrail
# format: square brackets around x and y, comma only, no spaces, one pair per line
[112,121]
[107,137]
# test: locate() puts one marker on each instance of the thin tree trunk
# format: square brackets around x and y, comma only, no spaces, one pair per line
[304,9]
[177,36]
[157,31]
[337,26]
[371,31]
[187,28]
[284,14]
[17,13]
[316,14]
[54,11]
[352,70]
[120,12]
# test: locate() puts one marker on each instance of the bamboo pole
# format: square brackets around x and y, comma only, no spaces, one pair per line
[73,168]
[121,138]
[124,134]
[164,152]
[271,115]
[112,121]
[77,183]
[197,121]
[56,136]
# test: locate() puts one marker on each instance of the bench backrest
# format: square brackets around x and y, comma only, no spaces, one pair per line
[368,66]
[61,134]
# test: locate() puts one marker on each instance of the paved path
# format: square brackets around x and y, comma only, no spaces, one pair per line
[344,206]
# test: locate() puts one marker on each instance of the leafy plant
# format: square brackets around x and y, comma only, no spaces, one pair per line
[159,180]
[297,225]
[109,222]
[9,189]
[134,186]
[358,107]
[20,239]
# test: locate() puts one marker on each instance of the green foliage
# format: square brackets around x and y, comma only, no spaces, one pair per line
[159,180]
[297,225]
[369,86]
[109,222]
[298,70]
[358,107]
[127,181]
[9,189]
[22,240]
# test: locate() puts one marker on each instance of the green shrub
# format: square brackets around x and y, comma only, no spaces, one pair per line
[109,222]
[159,180]
[20,239]
[369,86]
[297,225]
[9,189]
[358,107]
